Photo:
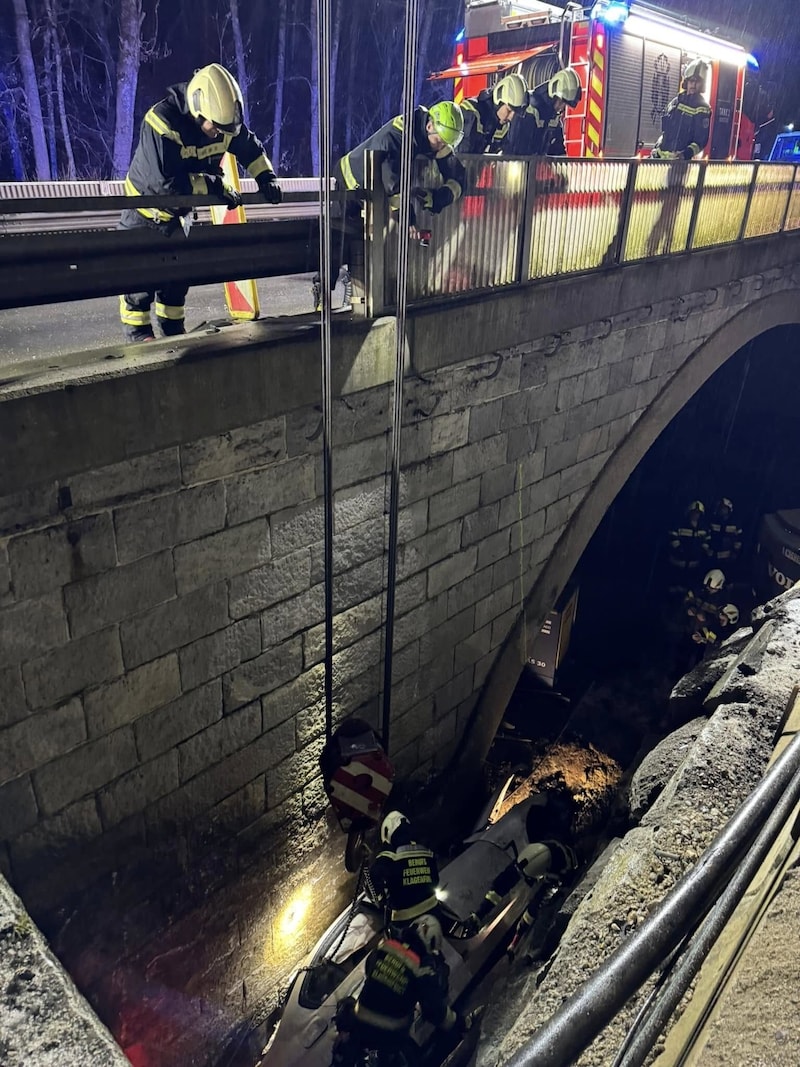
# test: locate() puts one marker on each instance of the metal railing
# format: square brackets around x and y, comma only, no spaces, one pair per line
[526,219]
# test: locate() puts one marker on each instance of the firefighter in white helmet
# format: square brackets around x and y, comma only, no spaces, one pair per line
[181,144]
[488,116]
[686,123]
[404,874]
[539,131]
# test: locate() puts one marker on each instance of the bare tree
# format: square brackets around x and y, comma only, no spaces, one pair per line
[131,18]
[280,78]
[54,43]
[238,48]
[31,85]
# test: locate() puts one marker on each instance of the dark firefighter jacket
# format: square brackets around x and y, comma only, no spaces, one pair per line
[398,979]
[684,128]
[688,545]
[405,878]
[725,540]
[538,130]
[175,156]
[482,130]
[388,140]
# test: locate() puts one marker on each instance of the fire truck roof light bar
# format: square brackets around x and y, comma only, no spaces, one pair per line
[689,40]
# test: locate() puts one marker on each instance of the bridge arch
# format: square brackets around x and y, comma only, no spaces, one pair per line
[755,319]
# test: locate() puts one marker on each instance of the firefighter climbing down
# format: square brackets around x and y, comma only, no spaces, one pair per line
[181,144]
[686,123]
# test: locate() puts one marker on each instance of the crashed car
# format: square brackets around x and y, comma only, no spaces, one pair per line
[305,1031]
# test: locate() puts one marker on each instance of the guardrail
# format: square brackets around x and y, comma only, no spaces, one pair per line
[527,219]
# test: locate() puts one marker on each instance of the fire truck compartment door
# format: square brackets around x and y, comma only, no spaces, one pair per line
[660,84]
[623,95]
[491,63]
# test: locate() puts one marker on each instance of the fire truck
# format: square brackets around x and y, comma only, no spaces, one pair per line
[629,57]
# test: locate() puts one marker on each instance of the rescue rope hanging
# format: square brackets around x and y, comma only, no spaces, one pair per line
[324,71]
[404,221]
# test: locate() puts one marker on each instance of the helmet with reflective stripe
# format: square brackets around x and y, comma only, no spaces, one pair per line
[214,94]
[448,122]
[696,68]
[714,581]
[511,90]
[697,505]
[731,613]
[724,502]
[566,85]
[429,932]
[393,821]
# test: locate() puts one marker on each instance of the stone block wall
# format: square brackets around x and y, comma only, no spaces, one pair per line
[161,661]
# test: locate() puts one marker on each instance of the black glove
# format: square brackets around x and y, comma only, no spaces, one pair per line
[269,188]
[218,187]
[688,153]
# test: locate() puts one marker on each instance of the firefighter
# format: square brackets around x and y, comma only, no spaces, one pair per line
[404,874]
[539,130]
[181,143]
[436,133]
[401,972]
[686,123]
[488,116]
[688,547]
[725,537]
[710,597]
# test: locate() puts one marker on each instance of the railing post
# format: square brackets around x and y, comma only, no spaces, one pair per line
[746,215]
[527,222]
[788,202]
[625,213]
[698,195]
[375,224]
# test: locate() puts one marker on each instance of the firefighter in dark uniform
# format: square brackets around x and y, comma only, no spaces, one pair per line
[181,143]
[724,536]
[488,116]
[436,133]
[401,973]
[688,547]
[686,123]
[404,874]
[539,130]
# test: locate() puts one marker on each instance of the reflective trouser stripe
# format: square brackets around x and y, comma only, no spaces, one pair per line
[129,317]
[401,914]
[169,311]
[381,1022]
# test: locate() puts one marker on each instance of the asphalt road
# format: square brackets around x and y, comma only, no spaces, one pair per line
[54,330]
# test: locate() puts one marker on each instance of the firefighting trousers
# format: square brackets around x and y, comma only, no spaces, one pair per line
[170,298]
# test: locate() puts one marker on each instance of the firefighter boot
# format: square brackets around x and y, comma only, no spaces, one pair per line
[347,283]
[316,291]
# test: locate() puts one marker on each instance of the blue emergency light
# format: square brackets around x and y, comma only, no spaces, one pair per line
[612,12]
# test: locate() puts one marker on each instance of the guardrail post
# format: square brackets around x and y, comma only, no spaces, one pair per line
[527,222]
[625,214]
[746,215]
[788,201]
[376,212]
[698,195]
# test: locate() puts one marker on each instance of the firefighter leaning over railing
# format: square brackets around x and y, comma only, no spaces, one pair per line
[686,123]
[539,131]
[488,116]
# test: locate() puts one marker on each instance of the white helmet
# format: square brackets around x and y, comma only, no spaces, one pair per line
[511,90]
[393,821]
[429,931]
[714,581]
[565,84]
[731,613]
[214,94]
[696,68]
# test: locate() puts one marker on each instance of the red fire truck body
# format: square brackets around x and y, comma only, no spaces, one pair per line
[629,57]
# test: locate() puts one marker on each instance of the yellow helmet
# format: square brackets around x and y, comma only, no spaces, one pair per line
[214,94]
[565,84]
[448,122]
[511,90]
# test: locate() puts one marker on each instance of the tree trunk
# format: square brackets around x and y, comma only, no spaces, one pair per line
[9,113]
[280,77]
[238,45]
[315,167]
[49,102]
[66,136]
[30,82]
[131,17]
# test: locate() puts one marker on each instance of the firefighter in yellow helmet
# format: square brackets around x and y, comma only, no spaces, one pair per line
[488,116]
[686,123]
[181,143]
[436,132]
[539,130]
